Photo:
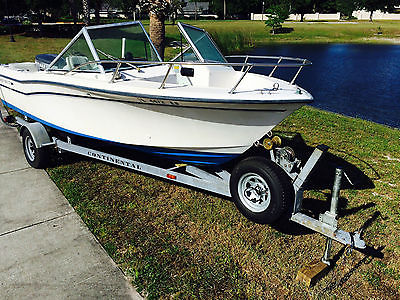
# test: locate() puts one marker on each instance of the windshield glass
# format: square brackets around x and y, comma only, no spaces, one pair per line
[187,54]
[122,42]
[125,41]
[205,46]
[77,54]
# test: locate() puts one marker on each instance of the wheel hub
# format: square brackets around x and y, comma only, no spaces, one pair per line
[30,148]
[254,192]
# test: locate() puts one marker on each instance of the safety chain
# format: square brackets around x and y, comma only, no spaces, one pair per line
[335,283]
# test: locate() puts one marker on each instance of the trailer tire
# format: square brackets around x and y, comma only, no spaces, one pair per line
[261,190]
[36,157]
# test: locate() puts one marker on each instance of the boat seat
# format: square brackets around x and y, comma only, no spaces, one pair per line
[26,67]
[74,61]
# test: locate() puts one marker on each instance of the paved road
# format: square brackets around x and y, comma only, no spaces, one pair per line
[46,251]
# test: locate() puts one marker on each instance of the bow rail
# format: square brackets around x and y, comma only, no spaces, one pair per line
[246,65]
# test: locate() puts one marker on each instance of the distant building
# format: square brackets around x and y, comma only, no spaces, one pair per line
[199,8]
[107,11]
[189,10]
[358,14]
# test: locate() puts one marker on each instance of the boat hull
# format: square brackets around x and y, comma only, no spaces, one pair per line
[199,133]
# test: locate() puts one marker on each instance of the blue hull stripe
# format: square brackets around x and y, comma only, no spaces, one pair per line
[202,158]
[192,154]
[49,124]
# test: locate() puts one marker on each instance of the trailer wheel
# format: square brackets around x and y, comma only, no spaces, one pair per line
[36,157]
[260,190]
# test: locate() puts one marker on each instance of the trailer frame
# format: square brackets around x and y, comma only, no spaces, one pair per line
[218,181]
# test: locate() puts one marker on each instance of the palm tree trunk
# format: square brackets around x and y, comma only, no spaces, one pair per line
[86,13]
[157,32]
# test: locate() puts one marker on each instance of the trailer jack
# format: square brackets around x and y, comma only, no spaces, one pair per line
[327,222]
[325,225]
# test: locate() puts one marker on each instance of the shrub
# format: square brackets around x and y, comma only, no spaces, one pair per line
[277,14]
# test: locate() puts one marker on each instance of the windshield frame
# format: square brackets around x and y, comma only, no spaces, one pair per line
[192,44]
[85,32]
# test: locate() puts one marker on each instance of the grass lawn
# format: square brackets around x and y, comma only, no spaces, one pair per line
[26,48]
[238,36]
[231,36]
[174,241]
[311,32]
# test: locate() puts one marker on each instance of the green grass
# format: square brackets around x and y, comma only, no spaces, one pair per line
[231,36]
[26,48]
[239,36]
[176,242]
[173,241]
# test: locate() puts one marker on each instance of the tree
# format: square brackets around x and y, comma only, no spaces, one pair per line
[301,7]
[12,8]
[86,12]
[74,12]
[158,10]
[235,8]
[326,6]
[195,8]
[345,7]
[372,5]
[97,7]
[43,8]
[127,6]
[277,14]
[175,7]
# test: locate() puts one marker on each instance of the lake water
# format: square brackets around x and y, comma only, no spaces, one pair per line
[355,80]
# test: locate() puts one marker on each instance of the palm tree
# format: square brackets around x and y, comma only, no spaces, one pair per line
[86,13]
[158,10]
[157,32]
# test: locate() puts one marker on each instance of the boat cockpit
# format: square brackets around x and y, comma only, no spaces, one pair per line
[124,52]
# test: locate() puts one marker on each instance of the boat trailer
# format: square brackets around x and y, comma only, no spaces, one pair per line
[218,181]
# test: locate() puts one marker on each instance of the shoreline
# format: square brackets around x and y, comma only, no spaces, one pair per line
[352,117]
[362,41]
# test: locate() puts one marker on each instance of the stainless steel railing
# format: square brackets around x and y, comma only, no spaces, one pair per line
[246,66]
[304,62]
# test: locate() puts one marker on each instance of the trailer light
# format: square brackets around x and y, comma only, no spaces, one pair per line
[170,176]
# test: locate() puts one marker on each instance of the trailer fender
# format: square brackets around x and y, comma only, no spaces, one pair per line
[39,134]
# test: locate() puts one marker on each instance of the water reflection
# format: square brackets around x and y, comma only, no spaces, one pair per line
[356,80]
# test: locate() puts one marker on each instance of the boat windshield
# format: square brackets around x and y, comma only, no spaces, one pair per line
[201,43]
[123,41]
[74,55]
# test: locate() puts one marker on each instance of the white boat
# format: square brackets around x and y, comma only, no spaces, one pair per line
[109,84]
